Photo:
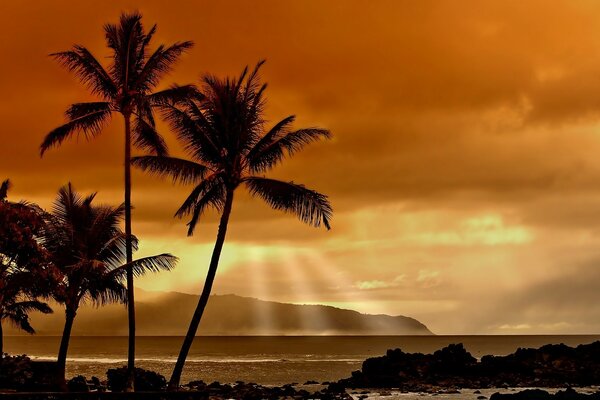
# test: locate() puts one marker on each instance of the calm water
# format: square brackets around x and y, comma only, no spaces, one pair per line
[265,360]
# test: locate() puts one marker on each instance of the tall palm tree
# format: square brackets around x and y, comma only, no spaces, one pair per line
[125,87]
[222,130]
[87,248]
[22,263]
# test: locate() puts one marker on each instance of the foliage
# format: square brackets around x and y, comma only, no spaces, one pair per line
[222,128]
[125,86]
[25,272]
[78,384]
[145,380]
[87,247]
[15,372]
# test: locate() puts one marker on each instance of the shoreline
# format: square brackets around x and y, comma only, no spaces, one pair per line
[451,370]
[250,392]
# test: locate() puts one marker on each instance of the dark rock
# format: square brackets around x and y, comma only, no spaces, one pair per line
[537,394]
[454,367]
[145,381]
[78,384]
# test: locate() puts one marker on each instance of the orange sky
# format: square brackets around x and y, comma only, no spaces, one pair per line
[464,172]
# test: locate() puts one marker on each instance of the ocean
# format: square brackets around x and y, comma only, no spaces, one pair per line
[267,360]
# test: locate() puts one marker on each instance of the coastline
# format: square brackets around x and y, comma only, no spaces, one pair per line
[448,372]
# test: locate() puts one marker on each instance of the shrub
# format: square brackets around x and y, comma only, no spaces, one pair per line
[145,381]
[15,372]
[78,384]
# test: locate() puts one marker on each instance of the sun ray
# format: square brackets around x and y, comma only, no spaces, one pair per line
[311,321]
[260,289]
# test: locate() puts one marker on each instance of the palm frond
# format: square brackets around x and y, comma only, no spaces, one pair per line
[208,193]
[78,110]
[70,206]
[278,130]
[308,205]
[146,137]
[178,169]
[28,306]
[161,262]
[102,232]
[107,291]
[90,72]
[174,95]
[194,132]
[147,39]
[90,124]
[18,313]
[127,41]
[204,187]
[214,198]
[160,63]
[288,144]
[113,252]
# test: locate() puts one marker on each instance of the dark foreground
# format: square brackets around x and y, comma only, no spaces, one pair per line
[538,394]
[550,366]
[445,372]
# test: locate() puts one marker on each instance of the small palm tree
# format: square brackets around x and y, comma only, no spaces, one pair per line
[222,130]
[87,249]
[125,87]
[22,263]
[4,187]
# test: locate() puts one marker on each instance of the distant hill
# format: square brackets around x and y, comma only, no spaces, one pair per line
[168,314]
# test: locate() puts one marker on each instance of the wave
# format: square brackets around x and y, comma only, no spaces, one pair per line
[109,360]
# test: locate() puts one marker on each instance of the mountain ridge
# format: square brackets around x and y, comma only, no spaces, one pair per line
[168,314]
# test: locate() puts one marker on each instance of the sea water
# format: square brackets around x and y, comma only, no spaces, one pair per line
[267,360]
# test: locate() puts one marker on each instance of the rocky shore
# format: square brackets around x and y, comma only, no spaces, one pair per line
[538,394]
[445,372]
[453,367]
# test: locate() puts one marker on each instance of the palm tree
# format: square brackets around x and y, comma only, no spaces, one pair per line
[22,263]
[125,87]
[4,187]
[222,130]
[87,248]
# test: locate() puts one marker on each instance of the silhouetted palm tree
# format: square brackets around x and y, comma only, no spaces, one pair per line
[222,130]
[4,189]
[125,87]
[22,263]
[87,248]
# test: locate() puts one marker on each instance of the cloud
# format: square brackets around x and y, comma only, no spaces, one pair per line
[470,167]
[377,284]
[428,278]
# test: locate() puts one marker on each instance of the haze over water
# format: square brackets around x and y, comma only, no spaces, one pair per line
[269,360]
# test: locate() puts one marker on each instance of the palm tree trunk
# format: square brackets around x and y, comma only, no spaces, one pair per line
[129,254]
[210,277]
[64,347]
[1,338]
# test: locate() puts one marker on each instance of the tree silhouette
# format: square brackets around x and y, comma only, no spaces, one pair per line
[87,248]
[23,263]
[222,130]
[125,87]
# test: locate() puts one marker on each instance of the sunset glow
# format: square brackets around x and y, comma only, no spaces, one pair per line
[463,170]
